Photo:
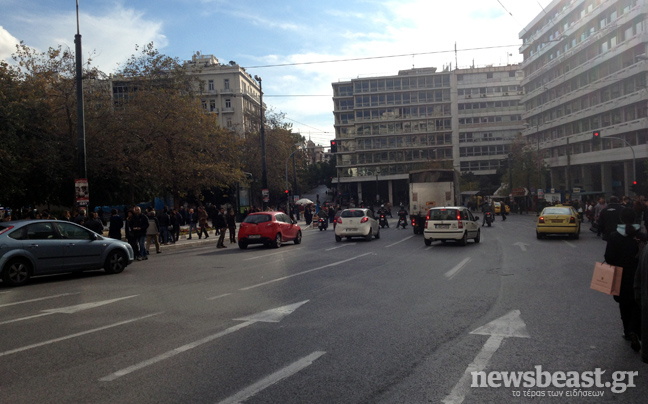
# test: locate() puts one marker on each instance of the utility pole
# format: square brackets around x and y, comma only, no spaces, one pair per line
[264,171]
[82,194]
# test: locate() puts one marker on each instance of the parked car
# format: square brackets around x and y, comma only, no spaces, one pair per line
[356,222]
[42,247]
[269,228]
[451,223]
[558,220]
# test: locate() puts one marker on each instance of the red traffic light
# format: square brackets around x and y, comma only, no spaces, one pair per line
[596,134]
[286,191]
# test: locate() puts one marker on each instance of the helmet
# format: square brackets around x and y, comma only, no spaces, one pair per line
[382,206]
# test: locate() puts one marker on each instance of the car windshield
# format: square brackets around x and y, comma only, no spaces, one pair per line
[256,219]
[557,211]
[352,213]
[443,214]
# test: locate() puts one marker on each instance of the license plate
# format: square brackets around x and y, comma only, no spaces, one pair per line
[442,226]
[254,236]
[556,220]
[350,229]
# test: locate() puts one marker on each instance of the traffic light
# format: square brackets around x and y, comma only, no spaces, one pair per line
[633,187]
[333,146]
[286,192]
[596,136]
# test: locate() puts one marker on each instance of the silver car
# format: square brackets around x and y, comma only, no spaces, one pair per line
[356,222]
[41,247]
[451,223]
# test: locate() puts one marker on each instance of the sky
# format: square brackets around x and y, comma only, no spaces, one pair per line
[353,38]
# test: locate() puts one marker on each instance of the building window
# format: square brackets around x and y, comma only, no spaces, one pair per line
[212,105]
[228,103]
[211,85]
[204,105]
[226,84]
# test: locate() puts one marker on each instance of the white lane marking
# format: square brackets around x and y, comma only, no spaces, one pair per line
[341,246]
[522,245]
[173,352]
[39,299]
[271,316]
[509,325]
[276,377]
[454,271]
[68,310]
[398,242]
[569,244]
[270,255]
[218,297]
[25,348]
[304,272]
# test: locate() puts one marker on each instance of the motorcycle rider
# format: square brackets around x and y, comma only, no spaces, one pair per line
[402,215]
[384,212]
[486,207]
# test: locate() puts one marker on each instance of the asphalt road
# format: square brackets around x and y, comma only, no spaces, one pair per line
[385,321]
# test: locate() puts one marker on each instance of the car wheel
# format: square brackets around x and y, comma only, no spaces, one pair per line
[428,241]
[538,236]
[242,245]
[16,272]
[298,238]
[338,238]
[478,238]
[464,239]
[576,236]
[116,262]
[378,234]
[277,241]
[368,236]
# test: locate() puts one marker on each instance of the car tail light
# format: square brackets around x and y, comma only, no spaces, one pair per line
[459,222]
[364,219]
[572,219]
[6,230]
[541,219]
[425,224]
[426,217]
[338,220]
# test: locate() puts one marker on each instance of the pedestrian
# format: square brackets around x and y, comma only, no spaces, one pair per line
[130,234]
[308,215]
[622,250]
[192,221]
[140,225]
[67,216]
[598,208]
[174,225]
[221,226]
[93,223]
[183,214]
[610,217]
[164,221]
[80,218]
[153,232]
[641,297]
[202,220]
[231,225]
[116,224]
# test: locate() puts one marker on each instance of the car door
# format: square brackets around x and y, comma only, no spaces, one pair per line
[41,243]
[82,250]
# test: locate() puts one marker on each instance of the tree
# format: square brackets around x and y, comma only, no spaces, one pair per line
[524,164]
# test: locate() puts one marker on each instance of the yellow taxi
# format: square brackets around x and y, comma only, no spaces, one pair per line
[498,208]
[558,220]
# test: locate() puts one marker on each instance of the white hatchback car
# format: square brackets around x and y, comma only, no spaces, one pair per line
[356,222]
[451,223]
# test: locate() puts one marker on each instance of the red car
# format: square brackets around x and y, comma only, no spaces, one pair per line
[269,228]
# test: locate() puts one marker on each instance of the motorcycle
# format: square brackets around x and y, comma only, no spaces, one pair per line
[488,216]
[323,223]
[402,221]
[383,221]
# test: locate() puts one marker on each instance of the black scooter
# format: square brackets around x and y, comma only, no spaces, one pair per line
[488,216]
[402,221]
[323,223]
[383,221]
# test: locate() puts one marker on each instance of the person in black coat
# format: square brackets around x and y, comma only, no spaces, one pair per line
[622,251]
[139,224]
[610,217]
[116,224]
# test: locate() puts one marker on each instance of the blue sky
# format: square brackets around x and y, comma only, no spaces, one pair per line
[260,33]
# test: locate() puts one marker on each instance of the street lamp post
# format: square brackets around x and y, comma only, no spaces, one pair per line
[81,145]
[264,172]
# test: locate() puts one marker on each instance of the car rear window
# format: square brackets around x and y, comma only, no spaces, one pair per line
[557,211]
[443,214]
[352,213]
[257,219]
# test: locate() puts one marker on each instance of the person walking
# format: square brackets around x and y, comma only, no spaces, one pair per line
[641,297]
[116,224]
[202,220]
[221,225]
[174,225]
[231,225]
[94,223]
[610,217]
[153,232]
[130,234]
[140,224]
[164,221]
[622,250]
[192,221]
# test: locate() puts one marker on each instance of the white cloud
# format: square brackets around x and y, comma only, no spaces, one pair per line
[7,44]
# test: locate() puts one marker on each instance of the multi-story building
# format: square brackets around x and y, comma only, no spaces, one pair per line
[386,127]
[585,70]
[228,91]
